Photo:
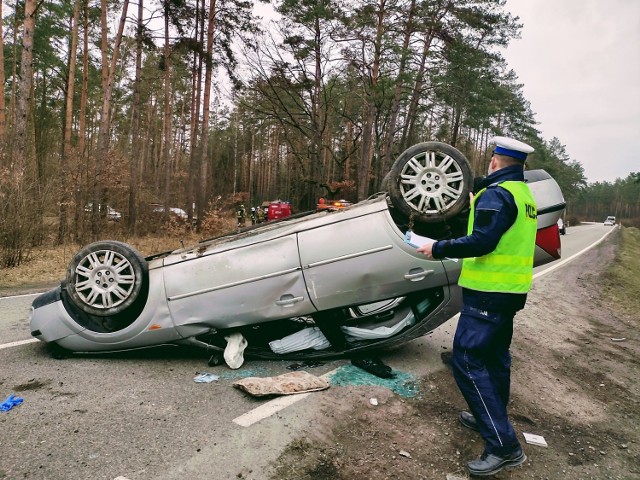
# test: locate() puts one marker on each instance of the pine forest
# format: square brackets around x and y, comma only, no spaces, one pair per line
[150,107]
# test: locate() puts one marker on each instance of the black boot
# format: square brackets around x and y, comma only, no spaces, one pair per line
[490,464]
[468,420]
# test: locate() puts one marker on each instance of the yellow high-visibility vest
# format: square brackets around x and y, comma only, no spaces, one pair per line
[509,268]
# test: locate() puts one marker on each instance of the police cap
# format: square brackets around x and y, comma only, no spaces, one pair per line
[511,147]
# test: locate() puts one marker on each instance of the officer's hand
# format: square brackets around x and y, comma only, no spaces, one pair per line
[427,249]
[470,197]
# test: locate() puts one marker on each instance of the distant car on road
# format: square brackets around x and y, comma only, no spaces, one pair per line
[112,214]
[174,212]
[610,221]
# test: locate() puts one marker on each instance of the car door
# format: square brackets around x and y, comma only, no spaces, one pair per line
[240,283]
[362,259]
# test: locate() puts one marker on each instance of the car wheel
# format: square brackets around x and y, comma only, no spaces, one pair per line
[106,278]
[430,182]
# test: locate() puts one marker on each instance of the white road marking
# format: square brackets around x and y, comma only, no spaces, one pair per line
[268,409]
[273,406]
[18,343]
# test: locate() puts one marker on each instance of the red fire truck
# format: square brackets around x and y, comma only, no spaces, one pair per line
[278,209]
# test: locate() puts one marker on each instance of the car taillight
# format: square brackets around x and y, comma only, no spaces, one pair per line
[548,239]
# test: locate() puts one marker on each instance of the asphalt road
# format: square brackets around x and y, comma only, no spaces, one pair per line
[141,416]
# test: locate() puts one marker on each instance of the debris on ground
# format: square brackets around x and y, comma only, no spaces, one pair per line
[234,351]
[205,377]
[374,366]
[285,384]
[10,402]
[305,364]
[534,439]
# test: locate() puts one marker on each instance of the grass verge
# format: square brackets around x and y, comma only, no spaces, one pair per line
[622,280]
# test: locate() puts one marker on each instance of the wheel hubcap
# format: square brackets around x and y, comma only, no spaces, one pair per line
[104,279]
[431,182]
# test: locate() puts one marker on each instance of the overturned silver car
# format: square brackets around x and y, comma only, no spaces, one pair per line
[317,284]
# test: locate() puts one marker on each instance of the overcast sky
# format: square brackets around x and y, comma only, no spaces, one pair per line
[579,61]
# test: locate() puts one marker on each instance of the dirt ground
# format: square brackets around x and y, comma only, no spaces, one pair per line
[575,381]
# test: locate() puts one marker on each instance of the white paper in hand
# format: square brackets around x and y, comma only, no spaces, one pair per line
[416,240]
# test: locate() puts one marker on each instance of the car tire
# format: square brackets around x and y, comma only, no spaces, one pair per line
[430,182]
[106,278]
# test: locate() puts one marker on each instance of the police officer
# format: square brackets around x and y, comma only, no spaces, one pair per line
[496,275]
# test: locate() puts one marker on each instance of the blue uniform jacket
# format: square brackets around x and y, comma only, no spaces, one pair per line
[495,212]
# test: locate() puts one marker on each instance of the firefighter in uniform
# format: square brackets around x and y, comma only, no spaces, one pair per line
[241,215]
[497,270]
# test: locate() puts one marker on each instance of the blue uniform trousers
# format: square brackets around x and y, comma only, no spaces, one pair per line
[481,368]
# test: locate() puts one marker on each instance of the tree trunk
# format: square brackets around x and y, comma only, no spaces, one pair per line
[202,190]
[82,121]
[3,108]
[134,160]
[196,93]
[83,166]
[315,170]
[65,194]
[369,112]
[24,155]
[408,132]
[387,144]
[147,153]
[14,75]
[456,118]
[108,74]
[167,117]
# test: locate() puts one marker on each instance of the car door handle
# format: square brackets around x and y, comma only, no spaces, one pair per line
[288,300]
[416,274]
